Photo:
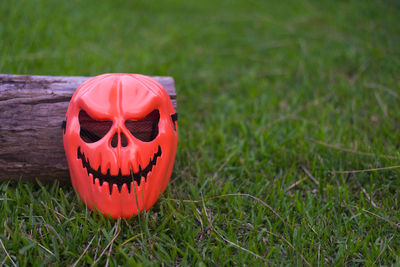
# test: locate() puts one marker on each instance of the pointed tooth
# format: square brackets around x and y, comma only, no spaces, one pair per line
[97,185]
[124,195]
[132,166]
[132,186]
[145,178]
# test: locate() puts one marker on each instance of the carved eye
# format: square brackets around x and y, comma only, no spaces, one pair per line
[92,130]
[145,129]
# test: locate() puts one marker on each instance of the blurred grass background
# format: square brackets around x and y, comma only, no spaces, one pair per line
[275,101]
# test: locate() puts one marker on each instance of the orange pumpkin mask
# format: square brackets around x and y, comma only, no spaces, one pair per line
[120,139]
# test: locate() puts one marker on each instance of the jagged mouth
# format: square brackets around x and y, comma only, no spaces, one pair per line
[119,179]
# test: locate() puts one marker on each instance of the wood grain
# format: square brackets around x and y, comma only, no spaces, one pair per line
[32,109]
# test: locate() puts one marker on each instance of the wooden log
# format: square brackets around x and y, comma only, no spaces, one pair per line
[32,109]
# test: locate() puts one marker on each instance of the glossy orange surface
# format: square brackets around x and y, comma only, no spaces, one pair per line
[120,143]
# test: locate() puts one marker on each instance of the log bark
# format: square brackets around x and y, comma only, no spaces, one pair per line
[32,109]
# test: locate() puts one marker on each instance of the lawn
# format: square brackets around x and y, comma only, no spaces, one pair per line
[289,123]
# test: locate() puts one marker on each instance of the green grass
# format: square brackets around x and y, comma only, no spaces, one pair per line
[275,98]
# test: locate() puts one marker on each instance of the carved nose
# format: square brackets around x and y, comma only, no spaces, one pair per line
[124,140]
[114,140]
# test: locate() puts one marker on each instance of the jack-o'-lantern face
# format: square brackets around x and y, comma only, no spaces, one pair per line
[120,140]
